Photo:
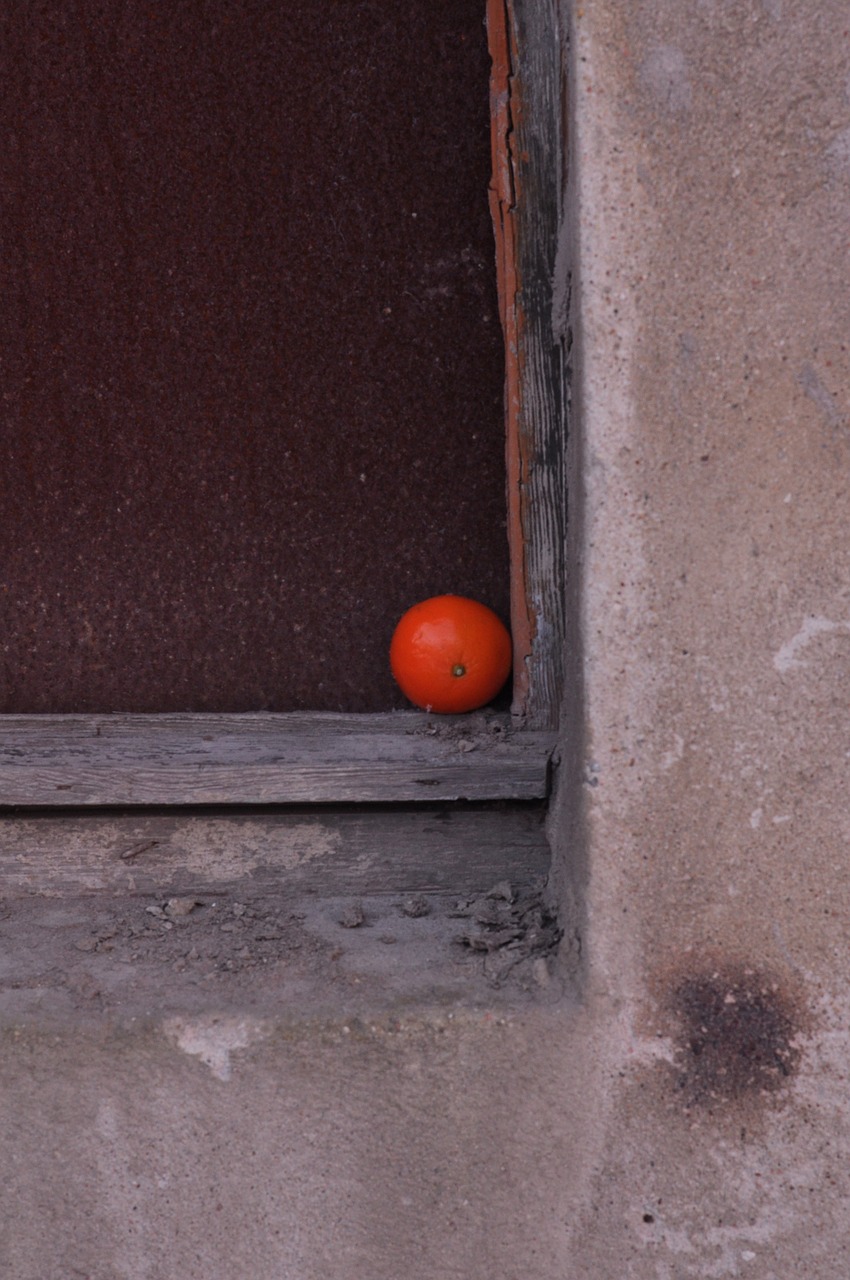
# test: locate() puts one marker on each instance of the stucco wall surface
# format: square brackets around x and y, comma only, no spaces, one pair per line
[711,220]
[689,1117]
[216,1147]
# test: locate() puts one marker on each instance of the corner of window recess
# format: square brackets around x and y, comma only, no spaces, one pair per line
[69,761]
[528,127]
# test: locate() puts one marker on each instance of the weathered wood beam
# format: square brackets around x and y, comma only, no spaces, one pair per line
[526,197]
[267,759]
[328,851]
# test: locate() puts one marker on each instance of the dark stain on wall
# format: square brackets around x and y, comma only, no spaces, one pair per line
[737,1036]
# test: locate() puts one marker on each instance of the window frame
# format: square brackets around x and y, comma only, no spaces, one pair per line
[322,758]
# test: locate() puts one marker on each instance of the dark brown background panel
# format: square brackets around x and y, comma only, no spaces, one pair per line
[250,359]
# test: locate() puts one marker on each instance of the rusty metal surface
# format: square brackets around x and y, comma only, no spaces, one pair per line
[250,355]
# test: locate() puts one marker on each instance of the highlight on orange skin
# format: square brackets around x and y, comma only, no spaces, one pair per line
[450,654]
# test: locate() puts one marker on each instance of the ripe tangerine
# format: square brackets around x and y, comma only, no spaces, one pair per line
[450,654]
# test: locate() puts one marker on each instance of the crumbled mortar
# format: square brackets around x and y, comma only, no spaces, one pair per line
[511,928]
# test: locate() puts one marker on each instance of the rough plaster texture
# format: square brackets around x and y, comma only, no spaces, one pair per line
[688,1117]
[225,1148]
[711,219]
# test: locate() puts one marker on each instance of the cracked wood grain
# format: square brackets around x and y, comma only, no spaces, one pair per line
[527,127]
[69,761]
[429,848]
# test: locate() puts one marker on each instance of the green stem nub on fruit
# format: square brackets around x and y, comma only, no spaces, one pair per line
[458,670]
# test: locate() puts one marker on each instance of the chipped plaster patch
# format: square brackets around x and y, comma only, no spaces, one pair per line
[214,852]
[665,73]
[213,1039]
[785,658]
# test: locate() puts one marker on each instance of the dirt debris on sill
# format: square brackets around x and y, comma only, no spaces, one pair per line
[217,935]
[476,731]
[514,929]
[509,929]
[141,952]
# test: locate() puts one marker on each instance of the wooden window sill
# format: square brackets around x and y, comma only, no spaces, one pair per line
[296,758]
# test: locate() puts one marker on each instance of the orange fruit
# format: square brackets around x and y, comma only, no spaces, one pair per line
[450,654]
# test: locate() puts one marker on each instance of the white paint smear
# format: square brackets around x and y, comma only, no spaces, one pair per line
[785,659]
[669,758]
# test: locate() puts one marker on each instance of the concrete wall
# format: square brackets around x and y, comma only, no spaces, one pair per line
[711,183]
[685,1115]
